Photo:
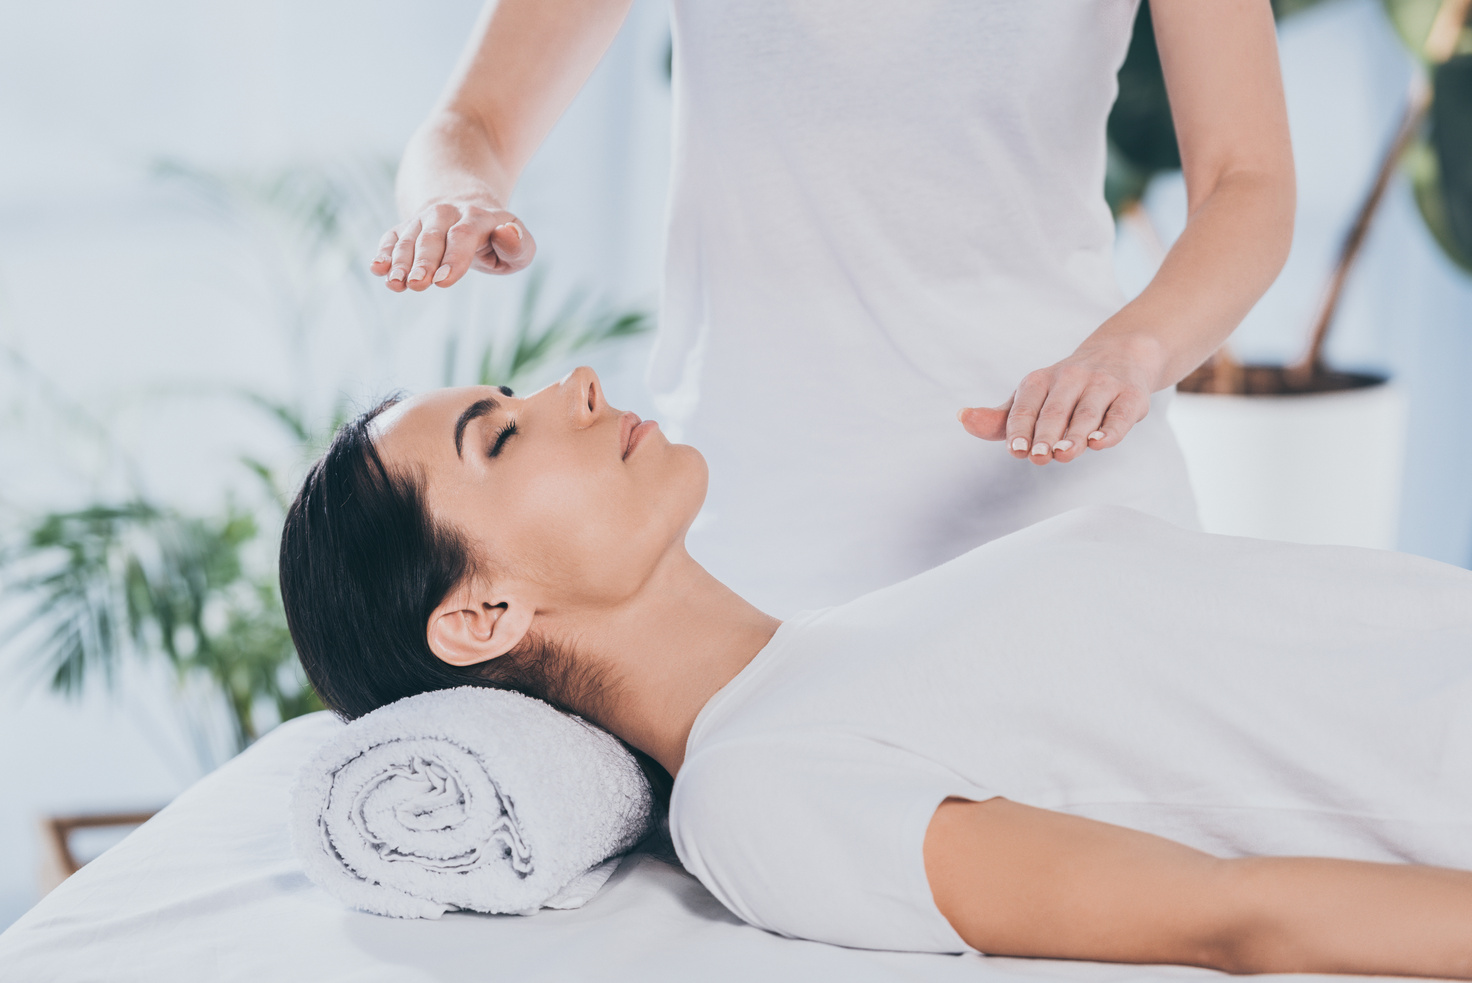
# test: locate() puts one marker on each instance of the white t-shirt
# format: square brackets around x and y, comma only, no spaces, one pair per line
[882,212]
[1240,696]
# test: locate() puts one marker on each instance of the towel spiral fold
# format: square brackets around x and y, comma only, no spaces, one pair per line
[438,809]
[467,798]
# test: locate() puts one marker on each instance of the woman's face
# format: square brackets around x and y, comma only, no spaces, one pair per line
[558,489]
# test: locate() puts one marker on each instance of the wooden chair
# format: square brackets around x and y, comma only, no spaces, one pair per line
[59,861]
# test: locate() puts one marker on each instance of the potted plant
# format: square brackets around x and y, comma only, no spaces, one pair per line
[1304,451]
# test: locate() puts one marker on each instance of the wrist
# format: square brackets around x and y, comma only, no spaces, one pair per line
[451,159]
[463,198]
[1139,357]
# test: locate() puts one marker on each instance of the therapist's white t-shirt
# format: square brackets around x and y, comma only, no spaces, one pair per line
[1240,696]
[881,212]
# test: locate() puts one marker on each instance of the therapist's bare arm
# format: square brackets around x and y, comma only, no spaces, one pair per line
[1015,880]
[1221,71]
[524,63]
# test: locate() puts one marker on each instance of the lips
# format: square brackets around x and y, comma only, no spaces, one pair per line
[626,425]
[632,430]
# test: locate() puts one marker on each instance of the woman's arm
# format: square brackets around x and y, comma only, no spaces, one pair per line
[525,62]
[1019,881]
[1221,71]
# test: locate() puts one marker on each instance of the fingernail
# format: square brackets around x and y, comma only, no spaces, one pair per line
[1040,449]
[1019,444]
[381,259]
[1097,435]
[959,414]
[418,273]
[441,273]
[396,275]
[512,226]
[1062,445]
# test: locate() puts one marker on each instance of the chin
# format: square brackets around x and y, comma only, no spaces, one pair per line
[693,477]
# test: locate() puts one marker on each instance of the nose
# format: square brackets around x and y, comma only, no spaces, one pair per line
[585,395]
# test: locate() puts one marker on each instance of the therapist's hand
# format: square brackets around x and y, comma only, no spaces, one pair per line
[1089,400]
[447,239]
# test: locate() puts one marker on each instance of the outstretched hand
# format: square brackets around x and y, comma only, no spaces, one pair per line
[1088,400]
[449,238]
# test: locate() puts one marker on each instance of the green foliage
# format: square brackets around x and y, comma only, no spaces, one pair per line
[1287,8]
[1142,136]
[313,226]
[109,582]
[324,214]
[1140,128]
[1412,20]
[310,440]
[253,659]
[578,325]
[1440,163]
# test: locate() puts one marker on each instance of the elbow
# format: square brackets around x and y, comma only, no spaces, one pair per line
[1273,197]
[1260,952]
[1255,934]
[1276,192]
[1245,956]
[1262,201]
[1280,193]
[1284,215]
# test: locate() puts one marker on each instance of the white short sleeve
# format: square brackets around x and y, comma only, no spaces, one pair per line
[818,836]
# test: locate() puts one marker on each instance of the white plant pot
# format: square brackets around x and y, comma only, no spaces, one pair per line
[1317,468]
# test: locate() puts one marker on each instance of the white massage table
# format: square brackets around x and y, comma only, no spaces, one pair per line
[208,891]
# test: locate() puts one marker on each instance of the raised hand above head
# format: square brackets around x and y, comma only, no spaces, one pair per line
[522,65]
[448,238]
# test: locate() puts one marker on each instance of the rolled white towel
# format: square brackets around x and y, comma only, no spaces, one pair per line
[467,798]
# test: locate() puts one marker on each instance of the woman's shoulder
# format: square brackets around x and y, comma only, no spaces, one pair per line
[812,833]
[735,785]
[728,774]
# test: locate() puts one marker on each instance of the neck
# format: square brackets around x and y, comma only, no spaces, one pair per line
[666,652]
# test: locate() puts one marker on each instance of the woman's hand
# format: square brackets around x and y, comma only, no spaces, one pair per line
[1089,400]
[447,239]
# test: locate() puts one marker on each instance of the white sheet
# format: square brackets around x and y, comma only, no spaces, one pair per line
[208,892]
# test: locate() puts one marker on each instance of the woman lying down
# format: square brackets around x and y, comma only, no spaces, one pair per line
[1101,737]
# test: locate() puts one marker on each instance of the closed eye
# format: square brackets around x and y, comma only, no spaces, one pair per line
[507,431]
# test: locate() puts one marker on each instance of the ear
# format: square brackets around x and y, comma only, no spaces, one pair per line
[475,624]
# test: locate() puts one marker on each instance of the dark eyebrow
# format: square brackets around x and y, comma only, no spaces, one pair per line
[474,411]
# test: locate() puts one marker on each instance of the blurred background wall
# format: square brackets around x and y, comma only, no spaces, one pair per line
[141,305]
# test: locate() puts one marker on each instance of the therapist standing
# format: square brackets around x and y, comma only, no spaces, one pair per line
[883,212]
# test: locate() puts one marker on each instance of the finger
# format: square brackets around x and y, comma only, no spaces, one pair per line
[512,247]
[403,256]
[1128,409]
[1023,417]
[1053,418]
[988,423]
[1087,416]
[385,255]
[461,243]
[429,249]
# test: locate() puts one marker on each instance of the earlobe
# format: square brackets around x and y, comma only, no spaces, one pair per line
[465,630]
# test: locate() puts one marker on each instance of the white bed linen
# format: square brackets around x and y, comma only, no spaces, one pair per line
[208,891]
